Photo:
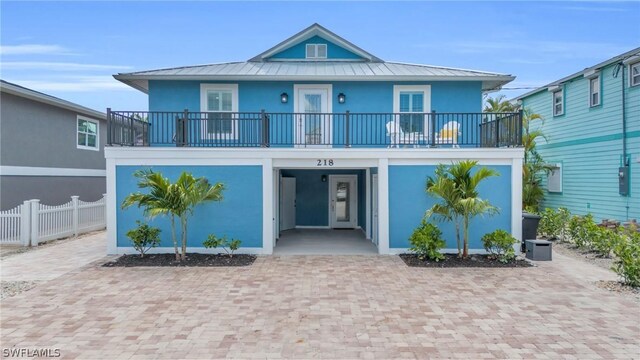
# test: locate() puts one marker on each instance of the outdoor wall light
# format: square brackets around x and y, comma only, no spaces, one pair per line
[323,178]
[342,98]
[284,98]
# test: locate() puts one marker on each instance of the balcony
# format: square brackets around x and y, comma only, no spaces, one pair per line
[313,130]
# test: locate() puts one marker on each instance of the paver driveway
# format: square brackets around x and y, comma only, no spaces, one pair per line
[326,307]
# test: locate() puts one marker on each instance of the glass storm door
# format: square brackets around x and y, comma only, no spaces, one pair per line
[313,123]
[343,206]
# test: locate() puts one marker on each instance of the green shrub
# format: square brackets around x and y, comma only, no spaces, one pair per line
[580,230]
[563,217]
[604,240]
[553,223]
[229,246]
[426,241]
[144,237]
[627,259]
[500,245]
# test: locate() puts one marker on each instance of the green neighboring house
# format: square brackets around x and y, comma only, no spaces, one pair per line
[592,123]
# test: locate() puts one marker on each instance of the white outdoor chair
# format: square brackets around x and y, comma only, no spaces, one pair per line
[449,134]
[398,137]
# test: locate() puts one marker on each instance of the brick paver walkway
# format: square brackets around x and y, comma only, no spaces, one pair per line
[326,307]
[54,260]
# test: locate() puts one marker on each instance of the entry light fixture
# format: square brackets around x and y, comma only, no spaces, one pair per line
[323,178]
[284,98]
[342,98]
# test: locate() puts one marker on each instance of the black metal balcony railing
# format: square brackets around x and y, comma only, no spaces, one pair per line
[263,129]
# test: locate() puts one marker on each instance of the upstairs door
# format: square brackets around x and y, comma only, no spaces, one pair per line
[343,201]
[287,203]
[313,119]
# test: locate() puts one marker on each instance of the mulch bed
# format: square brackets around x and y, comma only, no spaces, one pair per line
[203,260]
[453,261]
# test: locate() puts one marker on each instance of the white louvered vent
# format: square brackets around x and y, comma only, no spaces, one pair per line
[554,178]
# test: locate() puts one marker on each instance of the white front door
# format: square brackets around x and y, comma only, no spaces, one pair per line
[374,209]
[343,201]
[287,203]
[313,119]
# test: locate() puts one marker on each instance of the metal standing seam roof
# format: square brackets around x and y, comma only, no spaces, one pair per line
[316,70]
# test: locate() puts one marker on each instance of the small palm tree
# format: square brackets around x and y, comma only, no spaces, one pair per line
[461,202]
[194,191]
[534,165]
[499,105]
[162,199]
[173,200]
[443,187]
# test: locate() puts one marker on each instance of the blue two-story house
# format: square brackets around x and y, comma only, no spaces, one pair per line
[314,133]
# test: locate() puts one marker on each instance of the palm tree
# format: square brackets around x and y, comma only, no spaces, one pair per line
[163,198]
[175,200]
[194,191]
[461,202]
[443,187]
[499,105]
[534,165]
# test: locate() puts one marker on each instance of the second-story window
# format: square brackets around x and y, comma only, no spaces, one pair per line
[558,103]
[316,51]
[412,109]
[594,91]
[220,103]
[87,137]
[634,74]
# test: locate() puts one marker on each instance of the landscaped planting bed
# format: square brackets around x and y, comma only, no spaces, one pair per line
[473,261]
[202,260]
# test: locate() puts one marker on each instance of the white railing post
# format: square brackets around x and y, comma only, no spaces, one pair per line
[74,203]
[35,223]
[25,224]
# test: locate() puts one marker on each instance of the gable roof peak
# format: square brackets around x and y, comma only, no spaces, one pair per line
[315,30]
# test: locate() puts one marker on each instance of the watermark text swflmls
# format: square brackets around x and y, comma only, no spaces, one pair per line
[30,352]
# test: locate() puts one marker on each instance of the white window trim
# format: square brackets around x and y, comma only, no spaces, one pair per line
[426,100]
[204,88]
[631,65]
[591,104]
[315,47]
[553,102]
[85,147]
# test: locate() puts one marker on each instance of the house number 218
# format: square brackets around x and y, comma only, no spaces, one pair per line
[324,162]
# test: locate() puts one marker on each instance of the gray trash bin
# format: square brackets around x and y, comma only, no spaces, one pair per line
[529,227]
[538,250]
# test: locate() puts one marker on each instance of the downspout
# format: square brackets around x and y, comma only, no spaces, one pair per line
[625,160]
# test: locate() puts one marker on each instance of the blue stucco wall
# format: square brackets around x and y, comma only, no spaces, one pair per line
[312,196]
[408,203]
[362,97]
[238,215]
[366,96]
[298,51]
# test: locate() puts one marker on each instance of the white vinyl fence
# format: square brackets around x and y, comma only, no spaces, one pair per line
[32,222]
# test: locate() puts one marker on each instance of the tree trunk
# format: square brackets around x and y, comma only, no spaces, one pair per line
[458,237]
[465,253]
[183,222]
[173,236]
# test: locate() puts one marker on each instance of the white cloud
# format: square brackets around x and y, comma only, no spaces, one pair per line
[541,51]
[74,84]
[58,66]
[33,49]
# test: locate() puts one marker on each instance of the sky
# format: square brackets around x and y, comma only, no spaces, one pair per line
[71,49]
